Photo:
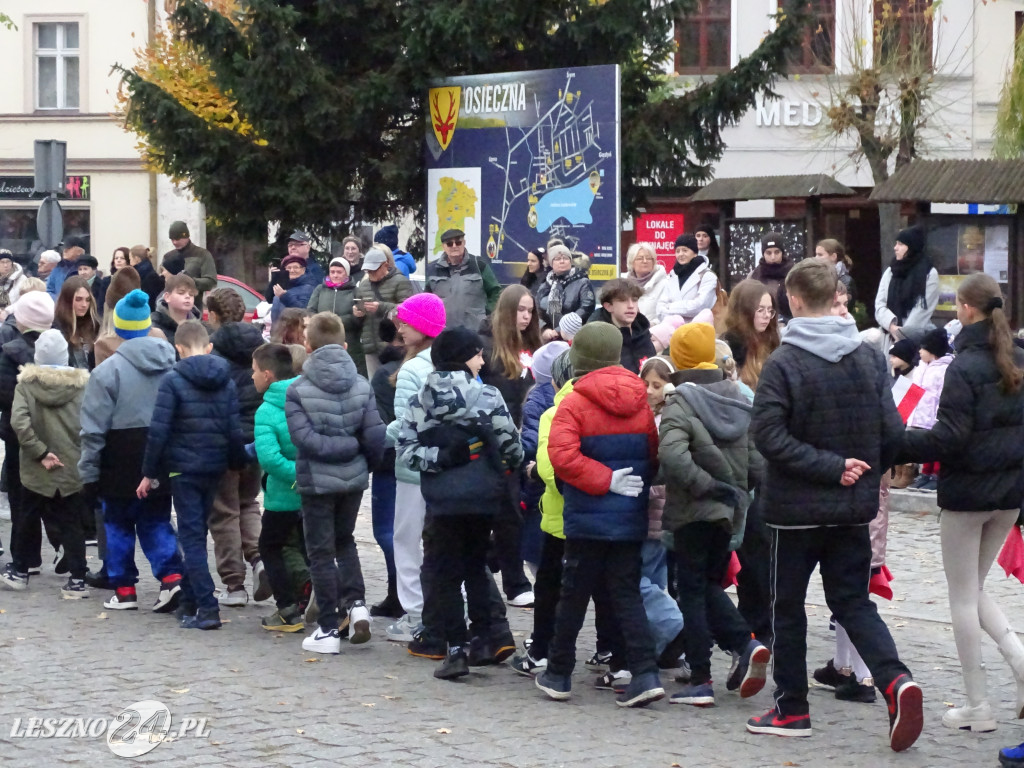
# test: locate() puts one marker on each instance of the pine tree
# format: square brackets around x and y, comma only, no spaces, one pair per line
[313,110]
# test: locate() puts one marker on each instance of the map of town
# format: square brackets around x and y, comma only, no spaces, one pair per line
[456,202]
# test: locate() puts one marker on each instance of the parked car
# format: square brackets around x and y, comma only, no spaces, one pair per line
[250,296]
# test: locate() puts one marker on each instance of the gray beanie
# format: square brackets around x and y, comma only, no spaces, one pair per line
[51,348]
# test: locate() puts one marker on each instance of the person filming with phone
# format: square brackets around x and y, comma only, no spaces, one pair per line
[381,290]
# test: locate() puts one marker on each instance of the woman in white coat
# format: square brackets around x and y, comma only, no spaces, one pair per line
[694,285]
[643,267]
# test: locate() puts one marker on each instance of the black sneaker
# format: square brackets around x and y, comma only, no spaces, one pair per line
[425,647]
[75,589]
[851,690]
[480,652]
[906,717]
[12,579]
[503,643]
[454,665]
[777,724]
[528,666]
[557,687]
[60,563]
[389,607]
[750,670]
[599,659]
[98,580]
[673,653]
[829,675]
[617,680]
[167,600]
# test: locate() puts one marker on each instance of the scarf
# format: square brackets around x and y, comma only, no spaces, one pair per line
[557,294]
[683,271]
[6,284]
[766,271]
[334,286]
[907,284]
[643,281]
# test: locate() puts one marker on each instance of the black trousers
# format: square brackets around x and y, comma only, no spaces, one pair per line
[462,542]
[702,556]
[753,590]
[62,516]
[546,589]
[275,533]
[26,528]
[508,532]
[843,556]
[610,569]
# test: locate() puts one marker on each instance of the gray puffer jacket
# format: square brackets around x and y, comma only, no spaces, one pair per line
[333,422]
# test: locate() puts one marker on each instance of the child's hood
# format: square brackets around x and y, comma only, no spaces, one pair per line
[614,390]
[277,392]
[53,386]
[236,342]
[330,369]
[450,395]
[721,407]
[207,372]
[148,353]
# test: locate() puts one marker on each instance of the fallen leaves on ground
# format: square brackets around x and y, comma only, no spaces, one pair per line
[179,690]
[311,661]
[444,730]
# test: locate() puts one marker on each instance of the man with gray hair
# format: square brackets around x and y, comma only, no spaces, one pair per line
[464,282]
[47,261]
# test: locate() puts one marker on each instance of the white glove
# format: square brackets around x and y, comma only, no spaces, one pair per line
[626,484]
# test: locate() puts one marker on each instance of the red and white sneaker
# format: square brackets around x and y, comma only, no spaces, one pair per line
[777,724]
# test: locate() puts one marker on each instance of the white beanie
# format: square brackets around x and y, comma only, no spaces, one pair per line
[51,348]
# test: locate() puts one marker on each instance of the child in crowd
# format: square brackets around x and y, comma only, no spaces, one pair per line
[603,447]
[33,314]
[569,326]
[116,414]
[725,360]
[825,421]
[45,418]
[272,375]
[460,436]
[620,307]
[194,436]
[903,358]
[709,465]
[176,306]
[936,355]
[339,439]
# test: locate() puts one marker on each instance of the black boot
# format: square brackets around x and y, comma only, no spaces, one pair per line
[454,665]
[389,606]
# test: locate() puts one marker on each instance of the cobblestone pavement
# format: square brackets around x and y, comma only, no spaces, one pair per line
[268,703]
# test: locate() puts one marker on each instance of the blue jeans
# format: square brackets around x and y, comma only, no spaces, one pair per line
[193,498]
[663,614]
[150,520]
[382,508]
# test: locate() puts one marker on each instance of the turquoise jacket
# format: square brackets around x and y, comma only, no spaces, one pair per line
[275,451]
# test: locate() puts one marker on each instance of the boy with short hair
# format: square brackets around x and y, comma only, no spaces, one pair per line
[194,435]
[620,307]
[825,422]
[116,414]
[339,438]
[176,305]
[272,375]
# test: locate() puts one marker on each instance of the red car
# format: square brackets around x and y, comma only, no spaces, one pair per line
[250,297]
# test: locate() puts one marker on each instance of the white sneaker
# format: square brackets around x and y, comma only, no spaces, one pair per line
[359,623]
[323,642]
[236,598]
[403,630]
[522,600]
[122,602]
[261,583]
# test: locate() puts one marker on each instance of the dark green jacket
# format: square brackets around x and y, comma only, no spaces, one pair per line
[389,293]
[339,301]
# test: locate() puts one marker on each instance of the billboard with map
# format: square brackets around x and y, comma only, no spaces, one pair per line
[516,159]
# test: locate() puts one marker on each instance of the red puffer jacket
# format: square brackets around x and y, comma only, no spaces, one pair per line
[602,425]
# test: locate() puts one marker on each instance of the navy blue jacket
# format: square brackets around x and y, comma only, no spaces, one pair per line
[541,398]
[236,342]
[195,428]
[298,294]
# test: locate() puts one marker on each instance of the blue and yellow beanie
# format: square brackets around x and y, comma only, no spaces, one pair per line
[131,315]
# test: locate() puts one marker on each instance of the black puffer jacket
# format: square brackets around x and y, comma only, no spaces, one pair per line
[236,342]
[823,397]
[577,296]
[978,437]
[16,352]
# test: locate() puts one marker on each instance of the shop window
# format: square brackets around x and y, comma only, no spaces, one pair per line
[903,33]
[57,59]
[703,38]
[18,230]
[961,246]
[817,54]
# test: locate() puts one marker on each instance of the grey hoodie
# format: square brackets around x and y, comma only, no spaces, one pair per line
[830,338]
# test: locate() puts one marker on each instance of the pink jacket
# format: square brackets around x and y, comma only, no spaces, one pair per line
[930,377]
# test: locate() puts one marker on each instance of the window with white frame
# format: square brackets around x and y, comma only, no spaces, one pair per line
[57,60]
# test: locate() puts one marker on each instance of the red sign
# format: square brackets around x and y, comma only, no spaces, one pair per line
[662,229]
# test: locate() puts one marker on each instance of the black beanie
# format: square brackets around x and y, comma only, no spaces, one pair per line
[773,240]
[936,341]
[913,238]
[175,263]
[453,348]
[905,350]
[688,240]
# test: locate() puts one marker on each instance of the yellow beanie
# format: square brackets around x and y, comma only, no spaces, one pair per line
[693,346]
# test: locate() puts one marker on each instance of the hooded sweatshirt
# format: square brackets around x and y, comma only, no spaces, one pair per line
[704,440]
[45,417]
[823,397]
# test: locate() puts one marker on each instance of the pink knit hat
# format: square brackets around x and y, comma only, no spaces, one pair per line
[424,312]
[662,332]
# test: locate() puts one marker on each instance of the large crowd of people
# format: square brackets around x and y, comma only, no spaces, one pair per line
[641,444]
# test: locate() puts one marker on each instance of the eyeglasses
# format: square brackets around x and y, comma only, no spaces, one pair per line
[769,313]
[643,257]
[451,243]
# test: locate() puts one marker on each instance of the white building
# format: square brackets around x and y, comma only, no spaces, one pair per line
[60,85]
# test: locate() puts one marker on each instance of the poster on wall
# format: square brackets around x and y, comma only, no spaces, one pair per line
[516,159]
[661,230]
[959,248]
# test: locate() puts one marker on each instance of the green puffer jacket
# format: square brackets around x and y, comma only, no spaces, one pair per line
[275,451]
[551,503]
[705,438]
[388,293]
[46,417]
[339,301]
[411,378]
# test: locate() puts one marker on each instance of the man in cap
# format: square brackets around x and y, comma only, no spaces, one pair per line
[199,264]
[298,245]
[68,265]
[465,283]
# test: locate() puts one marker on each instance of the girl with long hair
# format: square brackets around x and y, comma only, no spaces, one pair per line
[536,271]
[752,329]
[76,317]
[978,437]
[834,252]
[290,327]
